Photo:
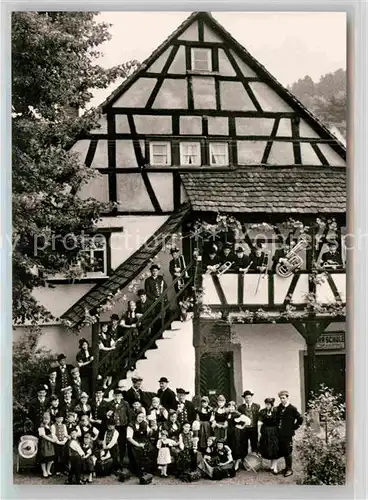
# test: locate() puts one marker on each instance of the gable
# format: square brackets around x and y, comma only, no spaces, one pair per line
[232,98]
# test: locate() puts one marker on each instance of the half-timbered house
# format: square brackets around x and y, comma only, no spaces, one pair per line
[201,129]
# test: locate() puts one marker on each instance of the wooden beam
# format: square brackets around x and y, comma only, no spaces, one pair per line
[296,140]
[95,354]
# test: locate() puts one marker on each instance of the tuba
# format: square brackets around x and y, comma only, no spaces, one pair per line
[292,261]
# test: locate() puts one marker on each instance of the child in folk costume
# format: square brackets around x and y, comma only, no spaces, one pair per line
[87,428]
[164,456]
[219,419]
[82,407]
[104,462]
[137,409]
[72,423]
[60,436]
[187,457]
[54,408]
[46,445]
[157,412]
[76,454]
[110,443]
[223,461]
[204,414]
[206,456]
[89,460]
[173,429]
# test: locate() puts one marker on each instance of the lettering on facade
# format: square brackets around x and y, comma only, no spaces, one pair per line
[331,341]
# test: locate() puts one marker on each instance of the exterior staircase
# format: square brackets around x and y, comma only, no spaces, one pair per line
[173,357]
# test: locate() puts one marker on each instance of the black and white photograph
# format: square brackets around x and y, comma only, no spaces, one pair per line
[179,250]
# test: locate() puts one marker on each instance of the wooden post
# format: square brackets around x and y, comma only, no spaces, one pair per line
[313,331]
[95,354]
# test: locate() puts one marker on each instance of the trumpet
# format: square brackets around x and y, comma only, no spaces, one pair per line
[292,261]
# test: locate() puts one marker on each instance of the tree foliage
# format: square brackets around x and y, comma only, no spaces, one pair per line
[323,454]
[327,98]
[54,70]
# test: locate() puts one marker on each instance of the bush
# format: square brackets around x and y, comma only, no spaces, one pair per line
[323,454]
[30,368]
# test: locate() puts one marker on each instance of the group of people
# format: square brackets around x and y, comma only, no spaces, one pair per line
[224,257]
[87,436]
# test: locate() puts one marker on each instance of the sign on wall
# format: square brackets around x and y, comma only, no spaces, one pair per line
[332,340]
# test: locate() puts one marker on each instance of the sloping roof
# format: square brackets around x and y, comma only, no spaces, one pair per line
[270,190]
[127,271]
[248,59]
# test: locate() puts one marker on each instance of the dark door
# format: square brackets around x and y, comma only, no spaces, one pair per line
[331,372]
[217,376]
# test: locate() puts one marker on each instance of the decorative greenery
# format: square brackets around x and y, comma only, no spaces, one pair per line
[30,368]
[54,69]
[323,454]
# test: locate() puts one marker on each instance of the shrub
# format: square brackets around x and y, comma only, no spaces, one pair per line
[323,454]
[30,368]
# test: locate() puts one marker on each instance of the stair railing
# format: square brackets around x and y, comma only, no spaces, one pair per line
[165,305]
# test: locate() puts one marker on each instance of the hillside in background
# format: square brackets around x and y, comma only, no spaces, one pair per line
[326,98]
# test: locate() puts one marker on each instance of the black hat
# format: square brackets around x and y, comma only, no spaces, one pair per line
[239,249]
[141,292]
[181,391]
[332,243]
[212,249]
[163,379]
[154,266]
[269,401]
[61,356]
[118,391]
[114,316]
[42,388]
[227,245]
[110,421]
[52,370]
[59,414]
[174,249]
[248,393]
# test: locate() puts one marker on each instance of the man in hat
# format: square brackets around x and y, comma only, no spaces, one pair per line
[63,378]
[331,259]
[241,260]
[135,393]
[144,318]
[250,432]
[259,258]
[38,407]
[288,421]
[99,409]
[155,287]
[177,266]
[280,252]
[114,329]
[210,261]
[119,412]
[166,395]
[186,410]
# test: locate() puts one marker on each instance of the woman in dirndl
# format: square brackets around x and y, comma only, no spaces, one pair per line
[46,446]
[269,444]
[219,419]
[106,344]
[204,414]
[129,322]
[234,432]
[140,448]
[84,360]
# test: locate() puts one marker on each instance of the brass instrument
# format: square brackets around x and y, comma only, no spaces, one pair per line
[212,269]
[292,261]
[224,267]
[178,272]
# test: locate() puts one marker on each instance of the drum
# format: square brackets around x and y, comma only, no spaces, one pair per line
[27,452]
[252,462]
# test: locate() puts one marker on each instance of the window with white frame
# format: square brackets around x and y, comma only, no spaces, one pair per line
[190,153]
[219,153]
[160,153]
[93,256]
[201,59]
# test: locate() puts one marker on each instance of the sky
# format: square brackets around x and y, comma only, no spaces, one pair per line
[290,45]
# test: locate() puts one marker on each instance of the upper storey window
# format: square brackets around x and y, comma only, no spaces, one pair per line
[190,153]
[201,59]
[219,153]
[160,153]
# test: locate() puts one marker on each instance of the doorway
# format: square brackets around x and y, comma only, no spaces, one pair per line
[331,371]
[217,376]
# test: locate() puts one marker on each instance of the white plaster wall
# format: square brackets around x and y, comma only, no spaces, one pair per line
[234,97]
[153,124]
[253,126]
[158,65]
[250,152]
[268,99]
[96,187]
[125,155]
[282,153]
[59,298]
[209,35]
[80,148]
[191,125]
[204,93]
[122,124]
[331,156]
[309,157]
[178,65]
[162,184]
[218,125]
[132,193]
[100,159]
[173,94]
[58,340]
[102,126]
[136,95]
[191,33]
[270,360]
[306,131]
[225,67]
[245,69]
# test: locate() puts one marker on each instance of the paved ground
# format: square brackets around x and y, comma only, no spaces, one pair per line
[242,477]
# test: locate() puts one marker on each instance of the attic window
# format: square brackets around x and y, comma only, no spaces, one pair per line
[190,153]
[201,59]
[219,153]
[160,153]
